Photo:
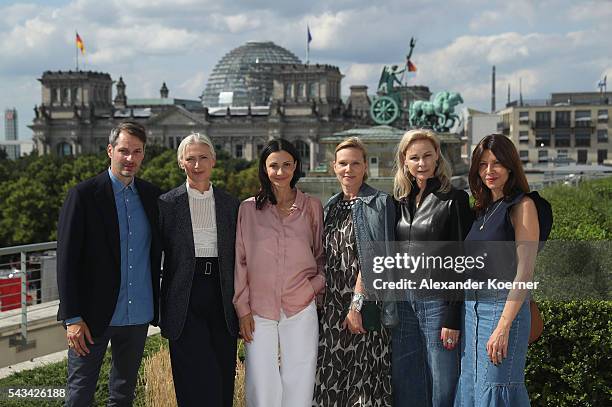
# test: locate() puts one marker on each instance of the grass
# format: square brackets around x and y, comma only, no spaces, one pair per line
[157,381]
[154,389]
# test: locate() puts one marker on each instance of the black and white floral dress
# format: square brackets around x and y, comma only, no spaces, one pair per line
[352,370]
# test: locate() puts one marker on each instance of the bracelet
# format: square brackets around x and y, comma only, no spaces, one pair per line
[357,302]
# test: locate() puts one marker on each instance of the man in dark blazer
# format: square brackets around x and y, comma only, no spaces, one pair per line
[197,314]
[108,270]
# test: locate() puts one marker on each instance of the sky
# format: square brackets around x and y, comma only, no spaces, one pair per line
[551,45]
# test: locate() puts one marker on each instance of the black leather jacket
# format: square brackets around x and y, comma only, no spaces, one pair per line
[442,217]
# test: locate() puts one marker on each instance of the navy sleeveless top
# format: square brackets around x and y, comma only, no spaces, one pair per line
[498,226]
[494,227]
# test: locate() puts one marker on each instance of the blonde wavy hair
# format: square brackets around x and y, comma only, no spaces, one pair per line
[402,183]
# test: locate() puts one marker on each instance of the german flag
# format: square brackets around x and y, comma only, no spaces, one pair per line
[79,43]
[411,66]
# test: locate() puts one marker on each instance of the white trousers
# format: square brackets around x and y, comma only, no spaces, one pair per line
[292,383]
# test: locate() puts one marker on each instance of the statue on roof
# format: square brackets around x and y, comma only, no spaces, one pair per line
[388,78]
[391,100]
[438,114]
[386,107]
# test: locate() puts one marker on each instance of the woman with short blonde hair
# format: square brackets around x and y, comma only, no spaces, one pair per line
[198,230]
[194,138]
[357,144]
[354,362]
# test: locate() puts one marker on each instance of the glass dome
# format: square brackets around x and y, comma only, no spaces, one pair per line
[244,75]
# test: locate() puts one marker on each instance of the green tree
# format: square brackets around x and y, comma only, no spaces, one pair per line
[244,184]
[28,213]
[163,171]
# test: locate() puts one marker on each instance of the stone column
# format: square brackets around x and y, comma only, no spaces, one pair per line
[311,148]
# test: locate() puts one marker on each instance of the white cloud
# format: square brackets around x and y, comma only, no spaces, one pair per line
[525,80]
[112,44]
[361,73]
[485,20]
[167,5]
[241,22]
[14,14]
[591,10]
[328,28]
[193,85]
[26,37]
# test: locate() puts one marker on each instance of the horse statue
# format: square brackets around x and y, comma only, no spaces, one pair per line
[438,114]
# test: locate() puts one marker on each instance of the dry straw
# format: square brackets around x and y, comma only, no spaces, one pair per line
[159,388]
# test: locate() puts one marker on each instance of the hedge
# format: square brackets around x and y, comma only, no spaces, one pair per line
[570,364]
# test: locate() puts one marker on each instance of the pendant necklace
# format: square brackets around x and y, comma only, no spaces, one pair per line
[484,217]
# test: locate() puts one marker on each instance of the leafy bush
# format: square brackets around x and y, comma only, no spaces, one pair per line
[583,212]
[570,364]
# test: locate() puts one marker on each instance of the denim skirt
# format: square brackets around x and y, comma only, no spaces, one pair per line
[481,383]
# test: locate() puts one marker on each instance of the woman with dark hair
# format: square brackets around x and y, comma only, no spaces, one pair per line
[497,322]
[430,213]
[278,273]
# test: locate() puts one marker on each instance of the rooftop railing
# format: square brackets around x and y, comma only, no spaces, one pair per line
[27,277]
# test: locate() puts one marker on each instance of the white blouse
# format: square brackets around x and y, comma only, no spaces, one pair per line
[203,221]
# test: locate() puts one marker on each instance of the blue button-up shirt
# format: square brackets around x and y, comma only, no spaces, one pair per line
[135,300]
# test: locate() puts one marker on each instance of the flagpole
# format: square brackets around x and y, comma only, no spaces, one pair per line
[308,39]
[76,47]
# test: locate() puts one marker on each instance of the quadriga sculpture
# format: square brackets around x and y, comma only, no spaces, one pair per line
[438,114]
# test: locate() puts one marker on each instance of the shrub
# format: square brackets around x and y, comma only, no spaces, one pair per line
[570,364]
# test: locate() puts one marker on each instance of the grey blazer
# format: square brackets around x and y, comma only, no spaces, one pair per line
[179,257]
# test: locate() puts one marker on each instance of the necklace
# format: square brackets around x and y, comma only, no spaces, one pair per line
[484,218]
[287,208]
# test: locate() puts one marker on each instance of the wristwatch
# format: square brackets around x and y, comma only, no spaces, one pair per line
[357,302]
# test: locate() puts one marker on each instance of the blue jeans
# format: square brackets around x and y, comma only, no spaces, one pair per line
[482,384]
[424,372]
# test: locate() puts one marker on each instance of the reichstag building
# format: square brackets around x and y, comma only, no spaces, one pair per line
[256,92]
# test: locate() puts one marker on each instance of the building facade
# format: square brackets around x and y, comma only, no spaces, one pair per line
[256,92]
[10,134]
[300,102]
[478,125]
[567,128]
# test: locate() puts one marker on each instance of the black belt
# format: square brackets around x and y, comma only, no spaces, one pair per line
[207,265]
